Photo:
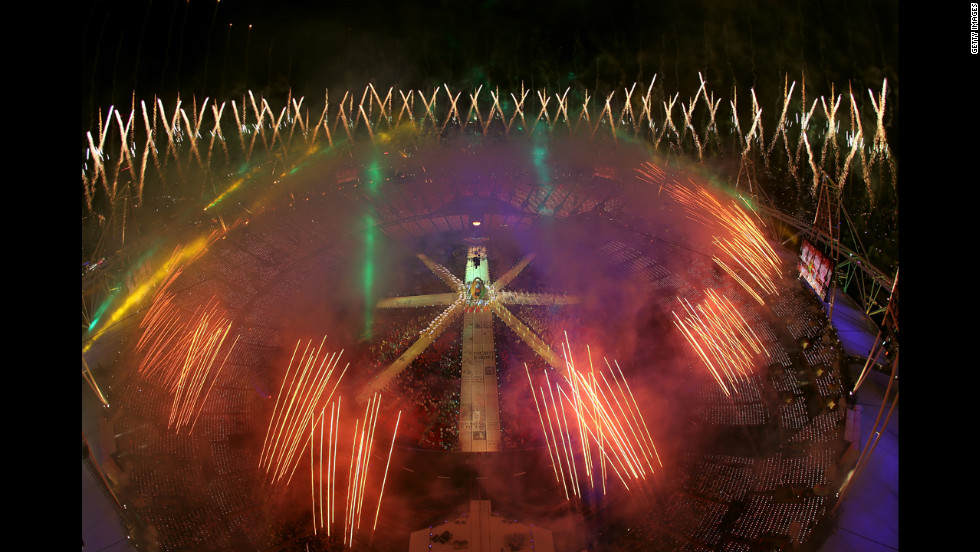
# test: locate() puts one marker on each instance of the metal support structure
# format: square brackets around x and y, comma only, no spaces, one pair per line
[890,326]
[827,218]
[825,229]
[90,379]
[868,277]
[873,437]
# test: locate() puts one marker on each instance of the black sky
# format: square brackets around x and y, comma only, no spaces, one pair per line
[206,48]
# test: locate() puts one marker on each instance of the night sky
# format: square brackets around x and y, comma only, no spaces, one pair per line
[206,48]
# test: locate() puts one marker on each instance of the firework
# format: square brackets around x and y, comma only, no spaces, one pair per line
[590,417]
[161,327]
[737,236]
[323,487]
[181,127]
[180,351]
[387,465]
[183,256]
[300,417]
[359,470]
[722,339]
[199,351]
[303,385]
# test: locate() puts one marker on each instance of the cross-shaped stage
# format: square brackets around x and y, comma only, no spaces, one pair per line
[476,300]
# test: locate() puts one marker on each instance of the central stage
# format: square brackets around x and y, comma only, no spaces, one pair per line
[479,411]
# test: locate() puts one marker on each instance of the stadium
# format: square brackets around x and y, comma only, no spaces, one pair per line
[380,317]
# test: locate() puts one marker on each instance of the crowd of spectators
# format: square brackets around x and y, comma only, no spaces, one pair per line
[515,431]
[751,414]
[827,426]
[709,489]
[793,415]
[765,516]
[430,385]
[695,517]
[804,471]
[716,477]
[775,500]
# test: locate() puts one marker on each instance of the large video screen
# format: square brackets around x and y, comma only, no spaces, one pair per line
[816,269]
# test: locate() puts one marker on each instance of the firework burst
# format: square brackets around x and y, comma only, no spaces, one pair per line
[592,426]
[742,250]
[307,378]
[326,434]
[722,339]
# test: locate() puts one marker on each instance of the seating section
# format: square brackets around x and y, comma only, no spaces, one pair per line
[198,489]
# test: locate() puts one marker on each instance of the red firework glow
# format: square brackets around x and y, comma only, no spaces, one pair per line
[306,415]
[323,483]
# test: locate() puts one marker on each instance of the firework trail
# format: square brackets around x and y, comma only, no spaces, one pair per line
[722,339]
[180,352]
[323,519]
[387,466]
[323,486]
[744,252]
[162,327]
[203,347]
[303,385]
[832,126]
[589,417]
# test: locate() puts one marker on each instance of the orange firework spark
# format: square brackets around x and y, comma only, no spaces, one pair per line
[306,379]
[360,466]
[593,418]
[387,465]
[177,350]
[313,479]
[722,338]
[350,485]
[161,327]
[554,464]
[739,239]
[326,519]
[323,482]
[199,351]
